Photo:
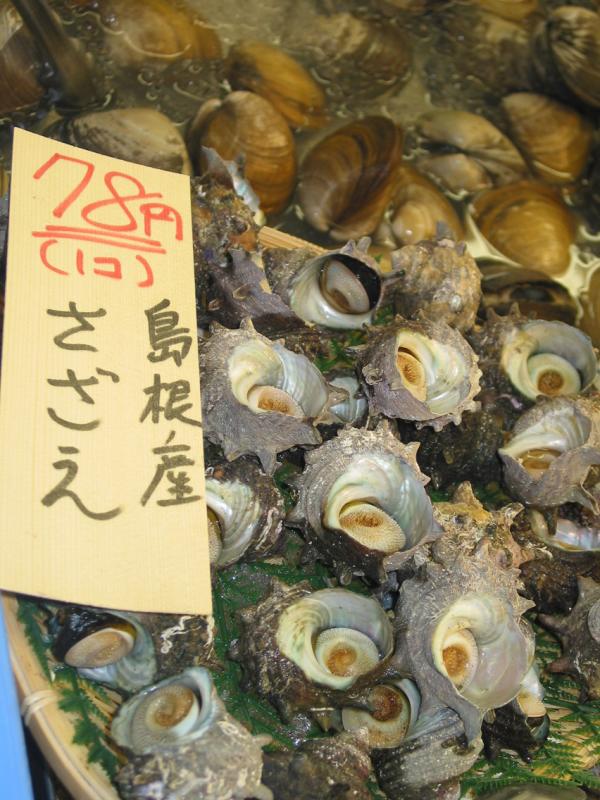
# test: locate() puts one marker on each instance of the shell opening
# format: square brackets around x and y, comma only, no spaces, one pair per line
[372,527]
[531,705]
[412,373]
[568,535]
[334,636]
[173,708]
[394,710]
[481,648]
[379,502]
[433,372]
[215,536]
[345,652]
[338,291]
[233,515]
[267,378]
[346,284]
[101,648]
[537,447]
[549,358]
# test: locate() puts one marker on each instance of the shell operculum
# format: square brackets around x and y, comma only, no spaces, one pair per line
[394,709]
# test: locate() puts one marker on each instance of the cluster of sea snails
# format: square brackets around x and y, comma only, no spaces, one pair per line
[376,370]
[432,662]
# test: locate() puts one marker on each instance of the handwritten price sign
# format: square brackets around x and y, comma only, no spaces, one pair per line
[102,480]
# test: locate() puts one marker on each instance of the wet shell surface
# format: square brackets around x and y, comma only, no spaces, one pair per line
[20,63]
[362,496]
[550,453]
[181,641]
[353,410]
[268,71]
[142,135]
[183,742]
[438,279]
[112,648]
[246,125]
[529,223]
[340,289]
[348,178]
[548,358]
[460,634]
[245,512]
[422,371]
[579,635]
[250,382]
[477,138]
[418,211]
[556,139]
[303,649]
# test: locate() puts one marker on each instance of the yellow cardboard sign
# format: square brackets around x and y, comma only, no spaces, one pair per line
[101,476]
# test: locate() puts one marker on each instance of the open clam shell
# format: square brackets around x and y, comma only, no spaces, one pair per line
[550,453]
[250,382]
[362,496]
[461,635]
[340,289]
[245,512]
[304,649]
[422,371]
[180,738]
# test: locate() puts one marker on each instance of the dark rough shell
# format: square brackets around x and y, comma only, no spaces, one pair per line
[325,465]
[427,761]
[181,641]
[335,768]
[579,635]
[508,727]
[563,480]
[235,427]
[438,279]
[385,389]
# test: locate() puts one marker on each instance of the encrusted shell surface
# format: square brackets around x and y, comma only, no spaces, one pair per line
[236,366]
[422,371]
[215,757]
[550,453]
[438,279]
[285,653]
[181,641]
[335,767]
[579,635]
[339,289]
[426,763]
[460,634]
[362,496]
[249,511]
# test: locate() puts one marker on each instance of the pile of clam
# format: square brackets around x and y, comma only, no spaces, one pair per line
[432,660]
